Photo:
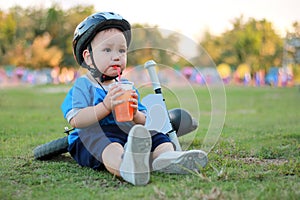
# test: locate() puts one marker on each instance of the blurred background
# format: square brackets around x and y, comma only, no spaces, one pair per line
[251,43]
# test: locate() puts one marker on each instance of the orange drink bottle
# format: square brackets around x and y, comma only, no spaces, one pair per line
[124,111]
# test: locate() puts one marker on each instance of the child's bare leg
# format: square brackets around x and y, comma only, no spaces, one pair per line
[112,158]
[162,148]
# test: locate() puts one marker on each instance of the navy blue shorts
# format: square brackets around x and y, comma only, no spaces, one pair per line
[86,156]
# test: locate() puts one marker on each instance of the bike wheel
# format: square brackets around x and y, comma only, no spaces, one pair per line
[51,149]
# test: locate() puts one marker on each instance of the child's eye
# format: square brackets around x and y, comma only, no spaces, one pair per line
[107,49]
[122,50]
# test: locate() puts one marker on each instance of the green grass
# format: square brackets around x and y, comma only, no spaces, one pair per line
[256,157]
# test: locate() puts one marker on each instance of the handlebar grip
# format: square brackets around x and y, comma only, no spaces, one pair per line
[150,66]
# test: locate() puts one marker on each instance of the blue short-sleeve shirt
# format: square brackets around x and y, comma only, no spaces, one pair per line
[85,93]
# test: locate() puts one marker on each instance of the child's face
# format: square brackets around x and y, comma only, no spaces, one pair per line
[109,50]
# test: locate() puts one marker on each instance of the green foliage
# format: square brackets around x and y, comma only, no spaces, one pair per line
[257,156]
[254,42]
[147,44]
[7,32]
[21,29]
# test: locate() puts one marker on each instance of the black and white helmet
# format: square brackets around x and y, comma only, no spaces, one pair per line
[90,26]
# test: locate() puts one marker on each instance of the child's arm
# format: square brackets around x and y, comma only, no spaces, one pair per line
[139,118]
[90,115]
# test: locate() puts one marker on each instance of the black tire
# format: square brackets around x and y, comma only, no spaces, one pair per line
[51,149]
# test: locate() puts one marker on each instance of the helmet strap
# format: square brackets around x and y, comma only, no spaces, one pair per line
[95,72]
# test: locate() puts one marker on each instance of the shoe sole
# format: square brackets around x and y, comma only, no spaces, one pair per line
[139,153]
[190,161]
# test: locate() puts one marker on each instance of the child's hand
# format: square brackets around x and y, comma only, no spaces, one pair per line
[110,99]
[114,92]
[134,101]
[112,96]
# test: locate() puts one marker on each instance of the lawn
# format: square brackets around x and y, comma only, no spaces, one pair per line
[257,155]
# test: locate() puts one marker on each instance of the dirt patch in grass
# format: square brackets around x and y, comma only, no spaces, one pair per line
[253,160]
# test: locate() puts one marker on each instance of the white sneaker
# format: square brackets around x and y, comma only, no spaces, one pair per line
[135,167]
[180,162]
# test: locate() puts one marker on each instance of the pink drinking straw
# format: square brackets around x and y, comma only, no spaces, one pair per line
[119,71]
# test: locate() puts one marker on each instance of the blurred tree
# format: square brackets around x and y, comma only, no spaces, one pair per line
[291,53]
[215,47]
[149,43]
[254,42]
[8,28]
[42,55]
[72,17]
[292,45]
[61,25]
[29,24]
[19,29]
